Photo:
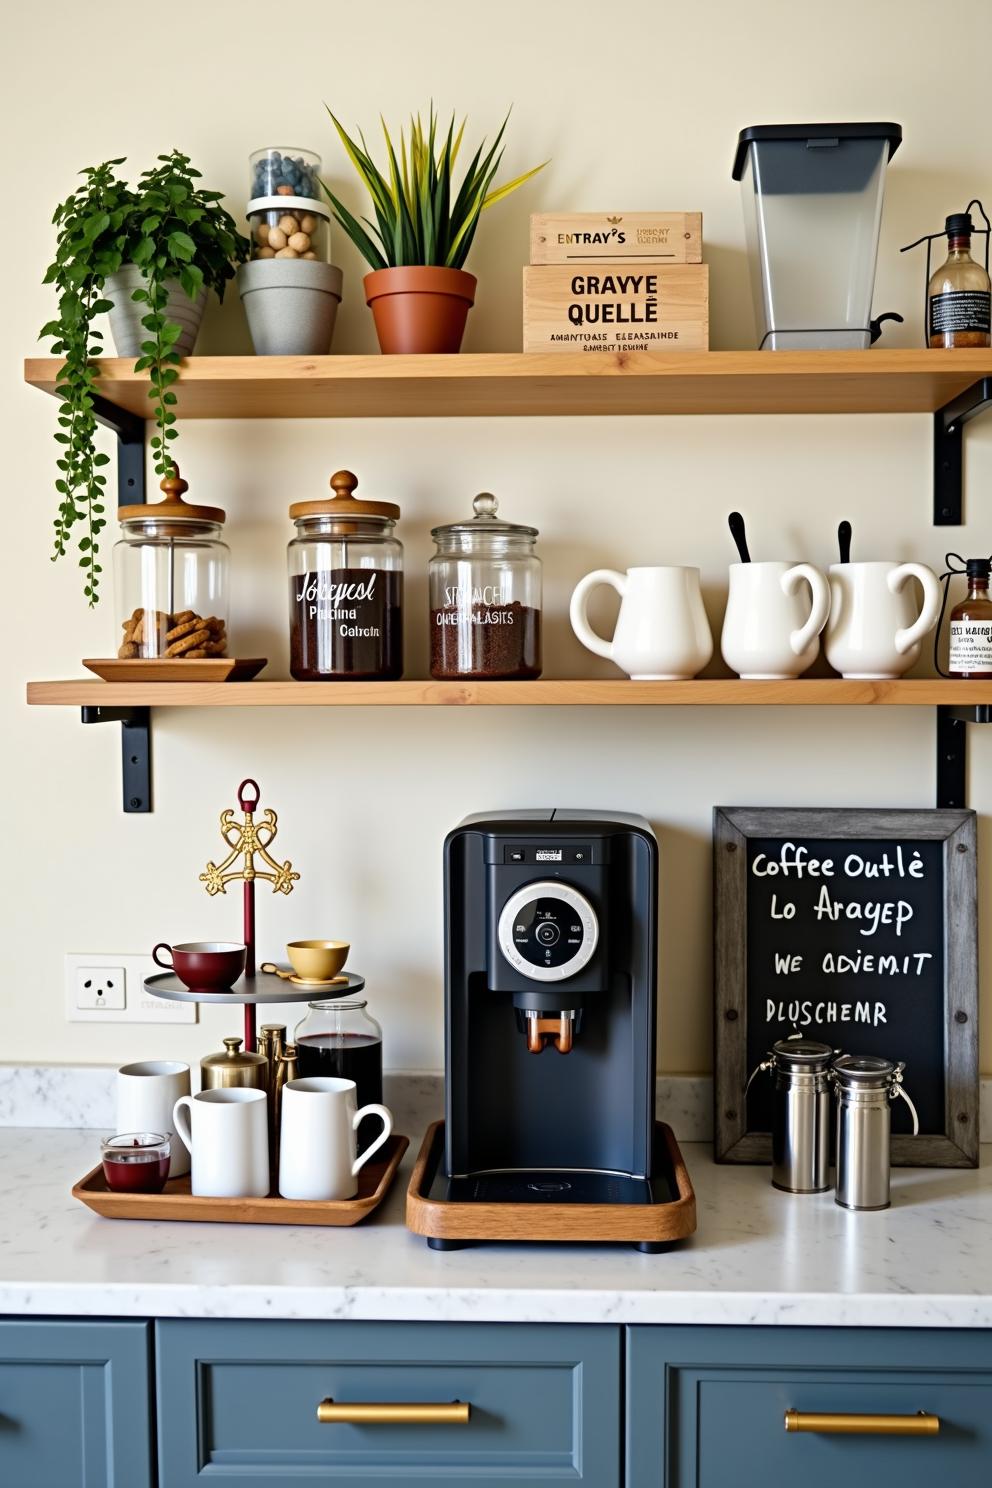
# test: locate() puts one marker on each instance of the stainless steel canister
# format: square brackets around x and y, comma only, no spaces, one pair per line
[865,1086]
[800,1115]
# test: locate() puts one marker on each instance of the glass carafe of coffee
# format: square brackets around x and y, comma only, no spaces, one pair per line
[340,1038]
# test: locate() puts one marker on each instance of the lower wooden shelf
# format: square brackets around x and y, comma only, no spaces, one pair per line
[552,692]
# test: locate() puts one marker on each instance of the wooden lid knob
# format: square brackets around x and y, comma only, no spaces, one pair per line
[344,483]
[173,485]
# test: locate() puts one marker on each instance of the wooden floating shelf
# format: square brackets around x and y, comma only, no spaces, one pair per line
[556,692]
[556,384]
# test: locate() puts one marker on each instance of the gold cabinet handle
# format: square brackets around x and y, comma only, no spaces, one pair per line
[394,1413]
[841,1423]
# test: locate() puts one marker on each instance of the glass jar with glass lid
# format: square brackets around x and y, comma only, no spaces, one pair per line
[485,597]
[345,588]
[340,1038]
[171,577]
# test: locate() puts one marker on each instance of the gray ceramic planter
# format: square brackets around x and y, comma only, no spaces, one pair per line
[125,317]
[291,305]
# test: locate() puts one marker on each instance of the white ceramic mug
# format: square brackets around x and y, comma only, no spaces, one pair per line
[318,1145]
[768,630]
[661,632]
[227,1133]
[875,629]
[146,1096]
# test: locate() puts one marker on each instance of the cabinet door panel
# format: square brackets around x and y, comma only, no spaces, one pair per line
[241,1402]
[707,1405]
[75,1405]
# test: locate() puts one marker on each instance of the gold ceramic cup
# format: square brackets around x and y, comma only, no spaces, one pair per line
[317,960]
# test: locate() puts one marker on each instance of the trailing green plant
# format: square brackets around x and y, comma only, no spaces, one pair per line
[172,230]
[420,218]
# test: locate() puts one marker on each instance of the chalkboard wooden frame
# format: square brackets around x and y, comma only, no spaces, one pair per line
[957,1145]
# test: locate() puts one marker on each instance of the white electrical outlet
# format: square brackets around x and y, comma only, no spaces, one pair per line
[105,987]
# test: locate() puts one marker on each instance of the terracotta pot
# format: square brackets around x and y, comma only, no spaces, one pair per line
[419,309]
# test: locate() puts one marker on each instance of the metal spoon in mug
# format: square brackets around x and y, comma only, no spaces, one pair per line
[736,524]
[844,541]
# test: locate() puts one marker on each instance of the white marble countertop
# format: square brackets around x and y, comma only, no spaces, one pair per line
[758,1257]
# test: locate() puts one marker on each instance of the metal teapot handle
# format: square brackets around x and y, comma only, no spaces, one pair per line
[897,1089]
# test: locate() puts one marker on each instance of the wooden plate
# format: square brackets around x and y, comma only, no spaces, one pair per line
[177,1202]
[633,1223]
[177,669]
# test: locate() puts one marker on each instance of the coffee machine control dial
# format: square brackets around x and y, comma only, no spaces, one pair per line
[548,931]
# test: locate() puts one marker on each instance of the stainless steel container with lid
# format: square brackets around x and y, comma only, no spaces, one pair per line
[800,1114]
[865,1086]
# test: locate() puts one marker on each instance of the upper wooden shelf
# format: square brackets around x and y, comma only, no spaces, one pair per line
[561,692]
[539,383]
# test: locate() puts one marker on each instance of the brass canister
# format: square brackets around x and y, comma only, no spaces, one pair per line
[234,1067]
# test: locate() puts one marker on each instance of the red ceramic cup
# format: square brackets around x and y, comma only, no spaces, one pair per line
[204,965]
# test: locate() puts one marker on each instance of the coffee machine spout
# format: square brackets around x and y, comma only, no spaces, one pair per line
[559,1030]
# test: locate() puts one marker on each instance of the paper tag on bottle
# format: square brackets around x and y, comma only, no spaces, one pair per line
[960,310]
[971,646]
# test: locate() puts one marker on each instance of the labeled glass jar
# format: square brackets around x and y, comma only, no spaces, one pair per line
[284,172]
[345,588]
[485,598]
[340,1038]
[288,227]
[171,578]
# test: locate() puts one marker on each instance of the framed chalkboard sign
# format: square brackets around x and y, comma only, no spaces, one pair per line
[858,929]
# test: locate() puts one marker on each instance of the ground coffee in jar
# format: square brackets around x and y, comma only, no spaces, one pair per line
[345,588]
[485,589]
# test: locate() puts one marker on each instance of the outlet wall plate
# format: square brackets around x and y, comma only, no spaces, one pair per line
[126,1001]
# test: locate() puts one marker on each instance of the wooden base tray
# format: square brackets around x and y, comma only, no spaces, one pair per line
[449,1224]
[176,1201]
[178,669]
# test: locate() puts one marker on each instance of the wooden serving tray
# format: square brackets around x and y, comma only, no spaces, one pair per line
[178,669]
[636,1224]
[177,1202]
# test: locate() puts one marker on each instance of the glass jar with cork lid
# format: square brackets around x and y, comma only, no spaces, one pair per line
[485,597]
[345,588]
[171,578]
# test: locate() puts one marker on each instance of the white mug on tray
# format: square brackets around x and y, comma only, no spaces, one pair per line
[227,1133]
[146,1096]
[318,1146]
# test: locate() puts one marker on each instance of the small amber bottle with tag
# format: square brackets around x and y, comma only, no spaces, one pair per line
[970,652]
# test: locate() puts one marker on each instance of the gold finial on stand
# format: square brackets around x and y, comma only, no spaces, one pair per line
[249,840]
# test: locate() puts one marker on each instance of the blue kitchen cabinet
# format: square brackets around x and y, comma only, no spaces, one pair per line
[75,1405]
[705,1407]
[237,1403]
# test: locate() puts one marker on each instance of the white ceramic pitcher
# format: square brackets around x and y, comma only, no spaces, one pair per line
[875,629]
[769,630]
[661,632]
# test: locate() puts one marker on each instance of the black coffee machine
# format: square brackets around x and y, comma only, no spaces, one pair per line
[550,970]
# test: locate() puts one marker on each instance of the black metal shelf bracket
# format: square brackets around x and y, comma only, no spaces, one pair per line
[136,726]
[136,752]
[952,751]
[948,449]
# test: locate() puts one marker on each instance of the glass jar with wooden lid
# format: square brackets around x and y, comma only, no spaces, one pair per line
[171,578]
[345,588]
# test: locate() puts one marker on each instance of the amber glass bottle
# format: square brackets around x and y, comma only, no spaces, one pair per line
[971,626]
[958,298]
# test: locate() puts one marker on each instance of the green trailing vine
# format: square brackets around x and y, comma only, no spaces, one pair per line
[173,231]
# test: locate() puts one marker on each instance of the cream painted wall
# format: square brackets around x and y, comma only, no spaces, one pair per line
[638,106]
